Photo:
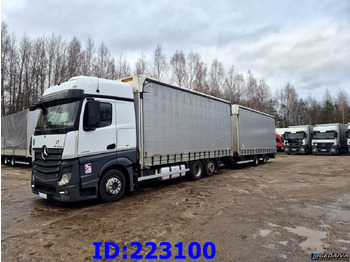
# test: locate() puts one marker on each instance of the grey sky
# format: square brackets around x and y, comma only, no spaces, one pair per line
[305,42]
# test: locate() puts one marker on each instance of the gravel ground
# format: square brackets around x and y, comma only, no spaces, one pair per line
[281,211]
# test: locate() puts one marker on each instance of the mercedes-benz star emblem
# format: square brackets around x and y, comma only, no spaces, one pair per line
[44,152]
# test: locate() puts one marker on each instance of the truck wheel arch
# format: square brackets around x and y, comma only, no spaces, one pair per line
[123,165]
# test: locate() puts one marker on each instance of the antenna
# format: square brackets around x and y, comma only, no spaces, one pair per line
[98,84]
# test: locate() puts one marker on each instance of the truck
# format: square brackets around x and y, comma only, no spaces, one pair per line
[279,143]
[16,132]
[297,139]
[281,131]
[98,138]
[329,139]
[253,136]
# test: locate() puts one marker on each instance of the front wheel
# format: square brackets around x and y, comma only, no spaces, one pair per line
[112,186]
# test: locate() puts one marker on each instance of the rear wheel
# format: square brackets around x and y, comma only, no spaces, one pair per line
[255,160]
[112,186]
[210,167]
[196,171]
[13,161]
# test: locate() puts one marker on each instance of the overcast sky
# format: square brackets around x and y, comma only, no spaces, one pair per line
[305,42]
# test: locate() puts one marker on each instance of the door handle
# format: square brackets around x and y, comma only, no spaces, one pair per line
[111,146]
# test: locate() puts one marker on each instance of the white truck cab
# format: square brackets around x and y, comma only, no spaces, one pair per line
[297,139]
[68,155]
[329,139]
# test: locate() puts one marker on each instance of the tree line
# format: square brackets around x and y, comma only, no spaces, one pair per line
[29,66]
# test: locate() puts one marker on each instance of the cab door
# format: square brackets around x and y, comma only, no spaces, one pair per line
[104,138]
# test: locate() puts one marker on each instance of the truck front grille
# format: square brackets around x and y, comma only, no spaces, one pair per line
[48,167]
[324,145]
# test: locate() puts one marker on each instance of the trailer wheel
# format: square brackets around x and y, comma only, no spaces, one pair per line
[196,171]
[13,161]
[264,161]
[210,167]
[255,160]
[112,186]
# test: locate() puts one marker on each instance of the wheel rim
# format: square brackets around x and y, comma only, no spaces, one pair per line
[197,170]
[211,167]
[113,186]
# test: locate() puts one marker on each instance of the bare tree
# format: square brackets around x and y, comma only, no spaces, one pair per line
[216,78]
[141,66]
[178,65]
[342,101]
[88,59]
[123,67]
[288,99]
[160,65]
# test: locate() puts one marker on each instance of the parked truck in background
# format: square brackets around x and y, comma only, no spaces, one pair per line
[297,140]
[279,143]
[16,132]
[98,137]
[253,136]
[329,139]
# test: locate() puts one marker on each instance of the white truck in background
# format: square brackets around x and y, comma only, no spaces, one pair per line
[329,139]
[99,138]
[16,132]
[297,140]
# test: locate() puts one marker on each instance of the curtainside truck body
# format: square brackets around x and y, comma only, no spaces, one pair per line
[297,139]
[329,139]
[253,136]
[99,138]
[16,132]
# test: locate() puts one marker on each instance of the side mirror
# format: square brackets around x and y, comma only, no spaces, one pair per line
[33,107]
[91,115]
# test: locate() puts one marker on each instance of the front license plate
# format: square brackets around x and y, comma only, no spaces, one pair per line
[324,150]
[294,150]
[42,195]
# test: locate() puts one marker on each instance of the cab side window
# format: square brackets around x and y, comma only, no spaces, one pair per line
[105,115]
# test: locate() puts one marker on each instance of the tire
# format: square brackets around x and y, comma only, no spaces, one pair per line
[13,162]
[112,186]
[196,170]
[255,161]
[264,161]
[210,167]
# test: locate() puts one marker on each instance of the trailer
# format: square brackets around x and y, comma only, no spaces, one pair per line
[297,139]
[329,139]
[99,138]
[16,132]
[253,136]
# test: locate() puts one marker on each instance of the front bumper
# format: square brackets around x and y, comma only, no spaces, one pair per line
[297,150]
[333,150]
[46,186]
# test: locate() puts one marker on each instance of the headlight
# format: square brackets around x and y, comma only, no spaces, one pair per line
[65,179]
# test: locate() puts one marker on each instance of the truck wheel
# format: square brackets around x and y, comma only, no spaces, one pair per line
[112,186]
[210,167]
[196,171]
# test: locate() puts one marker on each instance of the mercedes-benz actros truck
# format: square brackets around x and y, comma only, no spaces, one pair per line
[329,139]
[297,140]
[100,138]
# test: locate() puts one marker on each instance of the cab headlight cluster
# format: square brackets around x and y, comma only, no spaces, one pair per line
[64,179]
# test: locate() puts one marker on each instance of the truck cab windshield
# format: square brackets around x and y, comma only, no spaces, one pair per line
[325,135]
[61,116]
[298,135]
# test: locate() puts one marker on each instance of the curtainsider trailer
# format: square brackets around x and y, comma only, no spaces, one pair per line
[329,139]
[16,132]
[348,137]
[297,139]
[98,137]
[253,136]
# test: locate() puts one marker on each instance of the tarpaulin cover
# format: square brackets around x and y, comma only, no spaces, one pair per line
[17,129]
